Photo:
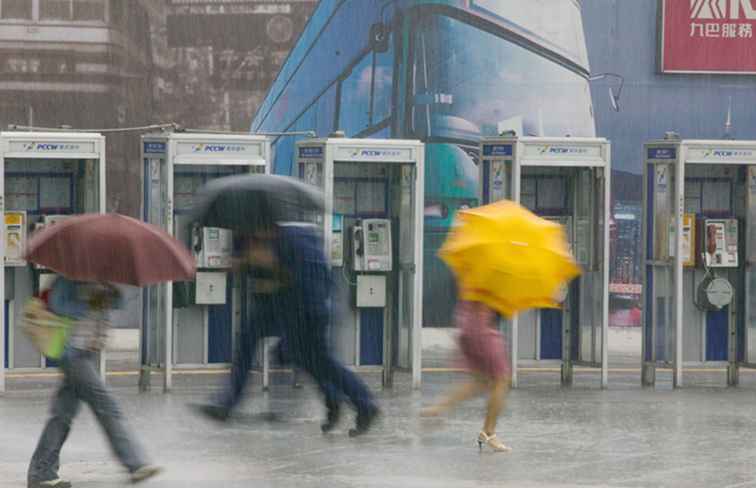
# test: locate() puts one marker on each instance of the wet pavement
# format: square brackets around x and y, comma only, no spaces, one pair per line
[582,436]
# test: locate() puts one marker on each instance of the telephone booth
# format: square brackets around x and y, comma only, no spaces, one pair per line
[372,227]
[193,324]
[565,180]
[699,255]
[47,177]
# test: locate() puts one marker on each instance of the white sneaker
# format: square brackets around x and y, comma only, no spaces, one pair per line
[145,473]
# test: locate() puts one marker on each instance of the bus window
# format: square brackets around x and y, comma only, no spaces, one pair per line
[326,111]
[383,76]
[469,82]
[355,98]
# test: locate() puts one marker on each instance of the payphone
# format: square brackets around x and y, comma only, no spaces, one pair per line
[567,181]
[47,177]
[194,324]
[700,207]
[371,246]
[372,228]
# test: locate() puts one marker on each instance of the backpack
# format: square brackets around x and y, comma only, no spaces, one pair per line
[48,331]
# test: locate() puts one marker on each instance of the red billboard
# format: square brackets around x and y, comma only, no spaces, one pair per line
[708,36]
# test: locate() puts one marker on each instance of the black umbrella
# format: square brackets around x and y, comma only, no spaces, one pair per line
[245,203]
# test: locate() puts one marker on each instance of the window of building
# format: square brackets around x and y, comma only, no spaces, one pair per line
[79,10]
[55,9]
[89,10]
[15,9]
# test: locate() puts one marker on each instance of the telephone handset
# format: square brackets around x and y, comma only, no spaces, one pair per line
[196,238]
[359,249]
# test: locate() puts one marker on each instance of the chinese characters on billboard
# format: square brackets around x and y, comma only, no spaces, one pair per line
[708,36]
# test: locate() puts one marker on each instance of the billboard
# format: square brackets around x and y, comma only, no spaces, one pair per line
[708,36]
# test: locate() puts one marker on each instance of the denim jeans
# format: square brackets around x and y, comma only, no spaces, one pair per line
[82,382]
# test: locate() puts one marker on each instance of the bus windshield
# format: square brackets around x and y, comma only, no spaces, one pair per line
[470,83]
[557,23]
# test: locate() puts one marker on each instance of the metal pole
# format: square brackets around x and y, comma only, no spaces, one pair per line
[417,305]
[605,284]
[678,266]
[516,181]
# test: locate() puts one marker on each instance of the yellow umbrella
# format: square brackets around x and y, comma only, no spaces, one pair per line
[509,258]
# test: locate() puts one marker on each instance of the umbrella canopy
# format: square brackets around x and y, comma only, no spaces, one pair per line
[508,258]
[111,248]
[242,203]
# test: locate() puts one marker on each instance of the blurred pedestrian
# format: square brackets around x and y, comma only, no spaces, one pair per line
[267,306]
[88,305]
[484,354]
[299,252]
[291,268]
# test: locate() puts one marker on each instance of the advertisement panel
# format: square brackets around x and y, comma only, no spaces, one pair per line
[708,36]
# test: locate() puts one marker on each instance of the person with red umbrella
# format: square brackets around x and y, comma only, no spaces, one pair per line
[90,253]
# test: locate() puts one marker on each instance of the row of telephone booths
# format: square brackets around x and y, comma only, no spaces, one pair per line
[699,247]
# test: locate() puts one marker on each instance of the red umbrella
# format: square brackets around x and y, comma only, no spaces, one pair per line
[112,248]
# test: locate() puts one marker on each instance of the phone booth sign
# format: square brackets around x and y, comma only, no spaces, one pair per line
[47,177]
[194,324]
[372,229]
[699,251]
[565,180]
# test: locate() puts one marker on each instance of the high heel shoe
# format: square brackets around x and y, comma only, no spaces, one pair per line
[493,442]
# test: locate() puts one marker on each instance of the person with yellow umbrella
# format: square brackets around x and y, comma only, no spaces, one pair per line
[505,260]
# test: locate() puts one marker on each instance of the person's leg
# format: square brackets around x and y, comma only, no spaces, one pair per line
[461,393]
[46,459]
[95,393]
[499,389]
[335,382]
[242,363]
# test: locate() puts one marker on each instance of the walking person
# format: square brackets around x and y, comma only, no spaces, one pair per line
[264,322]
[505,259]
[484,353]
[299,252]
[290,265]
[88,304]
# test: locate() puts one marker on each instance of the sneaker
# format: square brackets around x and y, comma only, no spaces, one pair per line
[332,418]
[56,483]
[145,473]
[364,420]
[214,412]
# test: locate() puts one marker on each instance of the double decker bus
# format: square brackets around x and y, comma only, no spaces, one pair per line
[446,72]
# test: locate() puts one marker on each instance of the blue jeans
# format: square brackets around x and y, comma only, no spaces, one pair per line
[82,382]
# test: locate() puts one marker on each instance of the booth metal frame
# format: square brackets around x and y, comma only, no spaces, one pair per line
[44,145]
[327,151]
[168,147]
[683,153]
[566,152]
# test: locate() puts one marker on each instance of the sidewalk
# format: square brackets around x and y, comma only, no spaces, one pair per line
[622,437]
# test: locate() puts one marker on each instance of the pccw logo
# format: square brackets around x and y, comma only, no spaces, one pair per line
[720,153]
[722,9]
[216,148]
[42,146]
[375,153]
[558,150]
